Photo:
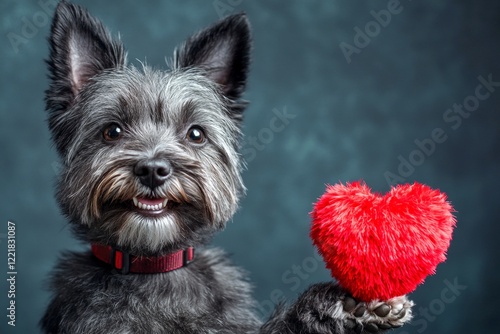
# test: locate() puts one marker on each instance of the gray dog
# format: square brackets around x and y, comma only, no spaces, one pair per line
[151,170]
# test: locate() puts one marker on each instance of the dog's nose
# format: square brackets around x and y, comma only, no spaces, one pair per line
[153,172]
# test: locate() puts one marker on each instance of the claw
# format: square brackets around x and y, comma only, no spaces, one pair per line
[401,314]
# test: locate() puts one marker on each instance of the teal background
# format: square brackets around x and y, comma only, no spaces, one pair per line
[352,121]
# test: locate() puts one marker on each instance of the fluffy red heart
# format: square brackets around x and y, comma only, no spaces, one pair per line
[379,247]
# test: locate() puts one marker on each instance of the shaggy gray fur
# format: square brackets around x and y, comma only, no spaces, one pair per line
[108,120]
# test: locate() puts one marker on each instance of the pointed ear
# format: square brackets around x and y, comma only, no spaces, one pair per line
[80,48]
[223,51]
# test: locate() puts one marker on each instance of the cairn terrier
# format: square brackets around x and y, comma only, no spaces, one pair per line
[151,169]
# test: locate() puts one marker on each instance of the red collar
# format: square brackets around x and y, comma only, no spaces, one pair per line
[125,263]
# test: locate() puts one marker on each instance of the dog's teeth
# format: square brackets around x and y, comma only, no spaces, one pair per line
[149,207]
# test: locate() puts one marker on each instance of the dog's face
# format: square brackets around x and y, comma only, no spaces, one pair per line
[150,158]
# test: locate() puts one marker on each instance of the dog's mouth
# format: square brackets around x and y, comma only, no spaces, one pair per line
[152,206]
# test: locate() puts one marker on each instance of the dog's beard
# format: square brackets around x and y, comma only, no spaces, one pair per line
[128,214]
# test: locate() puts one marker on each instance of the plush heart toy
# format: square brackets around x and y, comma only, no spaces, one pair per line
[379,247]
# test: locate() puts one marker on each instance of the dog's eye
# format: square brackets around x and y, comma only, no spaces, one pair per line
[112,132]
[196,135]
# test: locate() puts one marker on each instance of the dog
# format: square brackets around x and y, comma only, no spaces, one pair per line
[151,169]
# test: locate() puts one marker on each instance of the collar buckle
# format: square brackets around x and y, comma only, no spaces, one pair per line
[187,256]
[120,261]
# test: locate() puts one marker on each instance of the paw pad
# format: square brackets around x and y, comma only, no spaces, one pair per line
[382,311]
[376,316]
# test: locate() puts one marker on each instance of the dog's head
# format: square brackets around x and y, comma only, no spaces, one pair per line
[150,158]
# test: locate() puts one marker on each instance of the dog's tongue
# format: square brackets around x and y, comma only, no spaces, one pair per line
[150,201]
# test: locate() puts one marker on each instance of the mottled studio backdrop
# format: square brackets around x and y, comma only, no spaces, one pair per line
[340,91]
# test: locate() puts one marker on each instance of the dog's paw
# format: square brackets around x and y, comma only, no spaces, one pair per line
[376,316]
[327,308]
